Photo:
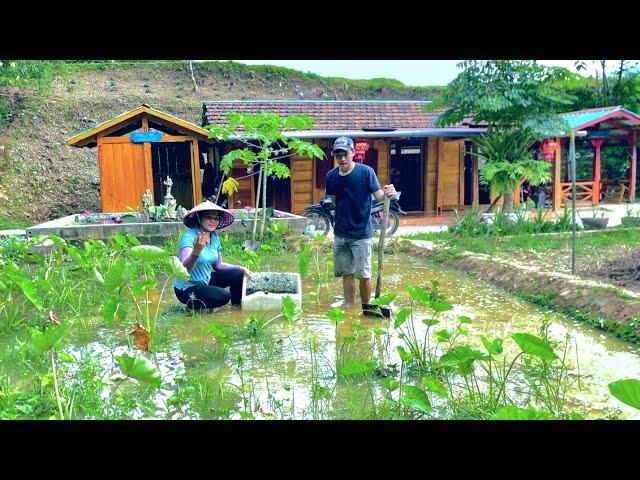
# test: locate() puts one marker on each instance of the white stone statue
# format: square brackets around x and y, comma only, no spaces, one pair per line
[169,201]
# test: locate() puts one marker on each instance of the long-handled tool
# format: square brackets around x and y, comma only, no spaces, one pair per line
[369,309]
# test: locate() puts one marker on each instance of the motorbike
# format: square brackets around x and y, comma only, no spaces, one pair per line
[323,215]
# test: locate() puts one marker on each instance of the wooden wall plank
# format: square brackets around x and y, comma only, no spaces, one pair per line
[108,195]
[129,197]
[196,180]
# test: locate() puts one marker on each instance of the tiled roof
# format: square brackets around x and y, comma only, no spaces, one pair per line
[580,118]
[332,115]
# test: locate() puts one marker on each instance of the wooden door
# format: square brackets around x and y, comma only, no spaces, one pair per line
[450,173]
[125,173]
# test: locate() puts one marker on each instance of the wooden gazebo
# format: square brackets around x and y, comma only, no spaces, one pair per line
[602,125]
[138,149]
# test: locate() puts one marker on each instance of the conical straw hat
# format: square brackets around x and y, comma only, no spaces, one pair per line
[191,218]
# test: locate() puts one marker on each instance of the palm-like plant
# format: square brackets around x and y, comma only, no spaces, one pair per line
[508,160]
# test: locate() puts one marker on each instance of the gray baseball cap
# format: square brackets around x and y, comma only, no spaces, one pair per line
[342,143]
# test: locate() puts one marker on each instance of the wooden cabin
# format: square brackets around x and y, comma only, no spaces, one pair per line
[431,166]
[139,148]
[606,127]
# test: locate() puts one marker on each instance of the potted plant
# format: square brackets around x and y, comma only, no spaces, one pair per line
[631,220]
[597,221]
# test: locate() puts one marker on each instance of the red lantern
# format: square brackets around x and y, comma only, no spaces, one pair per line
[361,148]
[548,148]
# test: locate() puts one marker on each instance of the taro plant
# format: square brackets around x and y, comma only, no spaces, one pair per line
[131,285]
[470,382]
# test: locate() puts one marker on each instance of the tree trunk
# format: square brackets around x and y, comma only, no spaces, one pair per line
[195,85]
[255,209]
[264,199]
[508,202]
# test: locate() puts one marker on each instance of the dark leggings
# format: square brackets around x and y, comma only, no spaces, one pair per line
[214,295]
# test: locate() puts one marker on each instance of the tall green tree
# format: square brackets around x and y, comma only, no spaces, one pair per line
[518,101]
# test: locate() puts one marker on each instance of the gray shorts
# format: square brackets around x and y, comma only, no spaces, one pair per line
[352,257]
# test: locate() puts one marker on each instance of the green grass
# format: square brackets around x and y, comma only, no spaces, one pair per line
[531,242]
[10,224]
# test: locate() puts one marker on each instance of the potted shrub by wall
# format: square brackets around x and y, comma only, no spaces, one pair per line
[597,221]
[632,219]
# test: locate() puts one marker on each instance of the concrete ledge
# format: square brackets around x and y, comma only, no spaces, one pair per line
[69,229]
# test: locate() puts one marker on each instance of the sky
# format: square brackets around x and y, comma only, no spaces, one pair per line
[410,72]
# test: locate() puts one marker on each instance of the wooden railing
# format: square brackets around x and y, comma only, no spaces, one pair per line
[584,192]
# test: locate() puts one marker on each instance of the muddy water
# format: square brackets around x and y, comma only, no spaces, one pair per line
[290,371]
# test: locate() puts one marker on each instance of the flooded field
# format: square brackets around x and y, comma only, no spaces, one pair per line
[235,364]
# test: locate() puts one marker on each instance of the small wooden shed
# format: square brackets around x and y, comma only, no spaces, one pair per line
[138,149]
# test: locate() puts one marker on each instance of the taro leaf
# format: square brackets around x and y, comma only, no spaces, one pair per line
[133,240]
[356,367]
[178,270]
[219,333]
[31,292]
[335,315]
[416,398]
[419,295]
[627,391]
[404,355]
[494,347]
[435,386]
[112,306]
[142,338]
[140,368]
[77,256]
[109,310]
[303,261]
[379,331]
[384,299]
[51,338]
[98,276]
[463,319]
[117,276]
[440,306]
[463,357]
[67,358]
[517,413]
[148,253]
[401,317]
[389,383]
[139,287]
[119,239]
[429,322]
[443,335]
[289,308]
[534,346]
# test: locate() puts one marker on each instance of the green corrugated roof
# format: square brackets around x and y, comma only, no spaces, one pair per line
[582,117]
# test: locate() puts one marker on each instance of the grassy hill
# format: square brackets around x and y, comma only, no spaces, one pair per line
[44,103]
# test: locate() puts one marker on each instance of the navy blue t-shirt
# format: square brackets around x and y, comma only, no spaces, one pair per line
[353,200]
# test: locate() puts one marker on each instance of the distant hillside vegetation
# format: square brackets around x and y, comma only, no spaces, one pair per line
[44,103]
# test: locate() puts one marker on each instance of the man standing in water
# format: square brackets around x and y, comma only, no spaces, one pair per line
[350,186]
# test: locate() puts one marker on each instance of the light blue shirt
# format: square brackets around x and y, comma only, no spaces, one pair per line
[201,273]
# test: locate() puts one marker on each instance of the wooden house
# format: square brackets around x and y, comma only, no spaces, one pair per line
[431,166]
[138,149]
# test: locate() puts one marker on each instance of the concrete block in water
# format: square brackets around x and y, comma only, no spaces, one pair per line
[265,290]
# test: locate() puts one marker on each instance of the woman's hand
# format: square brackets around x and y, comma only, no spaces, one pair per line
[247,272]
[200,241]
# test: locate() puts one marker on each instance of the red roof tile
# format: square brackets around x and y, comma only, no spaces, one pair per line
[331,115]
